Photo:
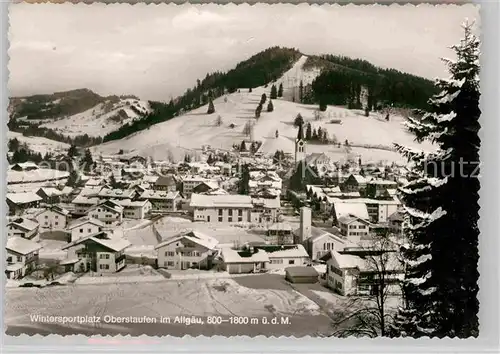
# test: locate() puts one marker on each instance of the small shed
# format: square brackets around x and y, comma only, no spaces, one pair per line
[301,275]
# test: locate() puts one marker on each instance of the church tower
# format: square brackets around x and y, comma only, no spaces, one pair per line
[300,146]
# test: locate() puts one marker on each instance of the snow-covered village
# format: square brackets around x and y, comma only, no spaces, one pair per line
[289,195]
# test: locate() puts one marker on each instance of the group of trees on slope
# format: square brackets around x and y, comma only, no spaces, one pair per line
[341,84]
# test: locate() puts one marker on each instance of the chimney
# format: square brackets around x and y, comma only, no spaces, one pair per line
[305,224]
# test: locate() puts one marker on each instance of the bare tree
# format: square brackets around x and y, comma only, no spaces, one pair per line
[367,313]
[218,121]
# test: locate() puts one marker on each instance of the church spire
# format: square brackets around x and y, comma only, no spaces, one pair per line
[300,134]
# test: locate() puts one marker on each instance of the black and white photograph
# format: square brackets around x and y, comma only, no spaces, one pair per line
[228,170]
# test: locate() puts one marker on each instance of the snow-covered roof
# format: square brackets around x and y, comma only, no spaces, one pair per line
[360,179]
[110,205]
[367,201]
[233,256]
[221,201]
[194,236]
[295,251]
[280,226]
[25,165]
[358,209]
[55,209]
[85,220]
[14,267]
[68,261]
[80,199]
[67,190]
[127,203]
[117,193]
[149,194]
[23,198]
[115,244]
[21,245]
[51,192]
[23,223]
[165,181]
[268,203]
[383,182]
[350,218]
[346,261]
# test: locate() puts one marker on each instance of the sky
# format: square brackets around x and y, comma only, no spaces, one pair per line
[158,51]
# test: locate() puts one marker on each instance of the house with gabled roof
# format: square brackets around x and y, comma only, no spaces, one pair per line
[107,193]
[137,209]
[108,211]
[17,202]
[84,226]
[191,249]
[162,201]
[22,256]
[353,227]
[49,195]
[54,217]
[165,183]
[355,183]
[243,261]
[355,273]
[97,252]
[22,227]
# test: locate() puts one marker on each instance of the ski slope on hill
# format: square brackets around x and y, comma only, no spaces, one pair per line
[39,144]
[99,120]
[187,133]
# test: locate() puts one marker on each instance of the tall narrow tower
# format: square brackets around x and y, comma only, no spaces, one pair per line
[300,146]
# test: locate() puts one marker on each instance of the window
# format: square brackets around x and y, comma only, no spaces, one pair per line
[107,255]
[81,230]
[230,212]
[103,266]
[99,210]
[220,218]
[230,219]
[220,212]
[57,216]
[19,258]
[9,259]
[46,216]
[46,223]
[240,212]
[89,230]
[101,256]
[196,254]
[169,254]
[56,223]
[291,261]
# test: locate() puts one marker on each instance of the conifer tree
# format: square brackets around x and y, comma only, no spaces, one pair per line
[270,106]
[211,107]
[299,121]
[280,90]
[308,132]
[274,92]
[320,133]
[263,98]
[314,134]
[441,206]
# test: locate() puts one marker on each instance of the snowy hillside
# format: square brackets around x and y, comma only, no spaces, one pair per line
[100,119]
[39,144]
[291,79]
[190,131]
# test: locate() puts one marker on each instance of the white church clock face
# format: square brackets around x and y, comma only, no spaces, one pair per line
[301,143]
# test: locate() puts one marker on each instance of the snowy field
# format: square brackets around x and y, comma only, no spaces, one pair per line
[224,233]
[99,120]
[195,128]
[220,297]
[33,176]
[39,144]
